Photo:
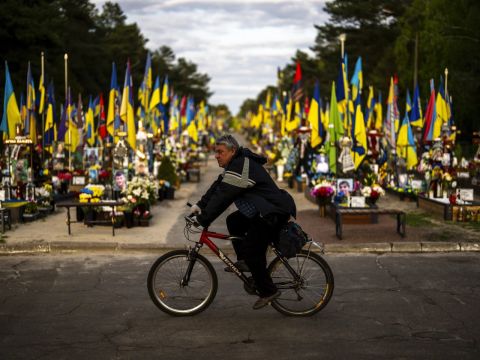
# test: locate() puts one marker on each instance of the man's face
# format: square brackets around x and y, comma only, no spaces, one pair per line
[223,155]
[344,188]
[120,180]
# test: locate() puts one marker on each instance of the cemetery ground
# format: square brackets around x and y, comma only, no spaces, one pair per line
[424,230]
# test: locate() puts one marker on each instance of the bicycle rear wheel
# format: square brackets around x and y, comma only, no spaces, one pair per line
[310,292]
[171,295]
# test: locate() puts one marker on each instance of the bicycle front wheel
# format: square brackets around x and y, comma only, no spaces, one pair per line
[169,290]
[307,293]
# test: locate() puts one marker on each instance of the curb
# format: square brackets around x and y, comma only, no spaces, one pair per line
[63,247]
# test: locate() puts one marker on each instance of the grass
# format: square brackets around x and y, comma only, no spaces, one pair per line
[475,226]
[441,236]
[418,219]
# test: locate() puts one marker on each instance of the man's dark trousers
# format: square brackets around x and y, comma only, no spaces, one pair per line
[259,233]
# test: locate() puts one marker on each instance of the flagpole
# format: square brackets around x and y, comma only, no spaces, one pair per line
[43,110]
[342,38]
[67,114]
[446,82]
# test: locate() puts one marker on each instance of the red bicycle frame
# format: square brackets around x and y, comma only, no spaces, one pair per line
[205,239]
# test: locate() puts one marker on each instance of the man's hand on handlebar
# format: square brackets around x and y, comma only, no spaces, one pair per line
[192,219]
[196,210]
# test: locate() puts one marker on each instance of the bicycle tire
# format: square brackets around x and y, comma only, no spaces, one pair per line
[317,275]
[166,291]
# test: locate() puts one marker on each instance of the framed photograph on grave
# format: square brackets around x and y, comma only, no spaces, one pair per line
[345,186]
[357,201]
[78,180]
[417,185]
[92,156]
[93,175]
[465,194]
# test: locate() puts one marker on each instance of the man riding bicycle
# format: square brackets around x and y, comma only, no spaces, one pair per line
[262,209]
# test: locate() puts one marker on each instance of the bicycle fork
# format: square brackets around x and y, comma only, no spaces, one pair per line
[192,258]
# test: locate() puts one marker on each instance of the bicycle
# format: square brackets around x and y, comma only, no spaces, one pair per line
[183,282]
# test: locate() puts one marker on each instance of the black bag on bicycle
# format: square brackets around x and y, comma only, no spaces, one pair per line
[291,239]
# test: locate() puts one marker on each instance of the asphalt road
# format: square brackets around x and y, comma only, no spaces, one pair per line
[97,307]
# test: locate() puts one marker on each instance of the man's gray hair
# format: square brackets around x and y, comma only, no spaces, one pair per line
[229,141]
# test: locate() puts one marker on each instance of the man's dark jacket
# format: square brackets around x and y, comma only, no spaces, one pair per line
[246,179]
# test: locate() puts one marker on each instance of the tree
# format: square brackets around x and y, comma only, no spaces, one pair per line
[248,105]
[448,37]
[371,28]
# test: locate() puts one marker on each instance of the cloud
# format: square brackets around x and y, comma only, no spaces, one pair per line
[239,43]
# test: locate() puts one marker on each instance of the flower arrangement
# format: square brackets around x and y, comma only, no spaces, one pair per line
[103,175]
[64,176]
[91,193]
[323,191]
[44,195]
[372,192]
[31,208]
[140,191]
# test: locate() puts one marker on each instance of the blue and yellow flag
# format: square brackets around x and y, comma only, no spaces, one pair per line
[165,92]
[406,147]
[416,112]
[126,109]
[359,135]
[155,100]
[50,119]
[148,81]
[378,109]
[72,137]
[31,123]
[90,124]
[315,118]
[357,80]
[41,97]
[113,102]
[11,113]
[370,110]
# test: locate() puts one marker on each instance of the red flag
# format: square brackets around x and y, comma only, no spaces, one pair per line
[102,127]
[307,106]
[429,114]
[297,91]
[183,106]
[298,74]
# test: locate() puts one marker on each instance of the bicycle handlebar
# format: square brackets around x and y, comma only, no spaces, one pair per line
[189,218]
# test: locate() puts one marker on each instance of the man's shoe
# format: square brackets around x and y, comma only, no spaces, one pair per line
[264,301]
[241,265]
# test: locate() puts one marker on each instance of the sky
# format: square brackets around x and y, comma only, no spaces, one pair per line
[238,43]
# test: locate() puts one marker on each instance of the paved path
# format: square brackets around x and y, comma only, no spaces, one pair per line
[97,307]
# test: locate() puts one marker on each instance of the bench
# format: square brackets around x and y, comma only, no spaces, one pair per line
[339,212]
[6,218]
[112,204]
